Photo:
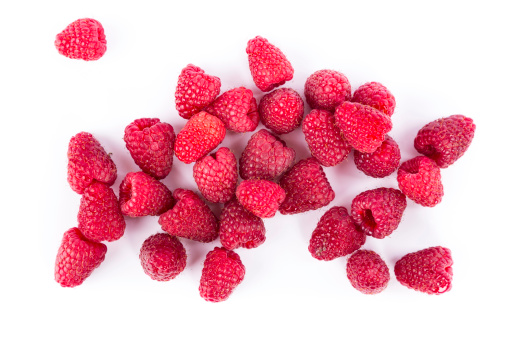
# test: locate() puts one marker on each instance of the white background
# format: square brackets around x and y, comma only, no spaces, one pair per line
[437,57]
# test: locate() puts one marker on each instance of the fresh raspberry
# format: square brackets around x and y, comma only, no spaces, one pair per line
[324,139]
[195,90]
[216,175]
[261,197]
[367,272]
[77,257]
[445,140]
[428,270]
[382,162]
[142,195]
[190,218]
[83,39]
[306,186]
[163,257]
[378,211]
[375,95]
[88,162]
[202,133]
[99,217]
[265,157]
[151,144]
[363,127]
[327,89]
[223,271]
[240,228]
[282,110]
[268,65]
[420,180]
[335,235]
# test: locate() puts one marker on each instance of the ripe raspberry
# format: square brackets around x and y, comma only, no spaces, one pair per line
[282,110]
[83,39]
[367,272]
[216,175]
[268,65]
[88,162]
[77,257]
[163,257]
[428,270]
[327,89]
[419,179]
[324,139]
[195,90]
[335,235]
[202,133]
[151,144]
[375,95]
[265,157]
[306,186]
[190,218]
[223,271]
[261,197]
[382,162]
[142,195]
[445,140]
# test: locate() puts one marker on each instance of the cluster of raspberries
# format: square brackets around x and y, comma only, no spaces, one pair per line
[263,180]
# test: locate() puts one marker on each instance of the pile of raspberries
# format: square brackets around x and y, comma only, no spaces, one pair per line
[261,181]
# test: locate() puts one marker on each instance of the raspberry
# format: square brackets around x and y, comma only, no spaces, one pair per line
[445,140]
[265,157]
[367,272]
[83,39]
[306,186]
[375,95]
[428,270]
[324,139]
[282,110]
[195,90]
[268,65]
[223,271]
[99,217]
[261,197]
[77,257]
[202,133]
[216,176]
[382,162]
[142,195]
[363,127]
[151,145]
[88,162]
[327,89]
[335,235]
[419,179]
[190,218]
[163,257]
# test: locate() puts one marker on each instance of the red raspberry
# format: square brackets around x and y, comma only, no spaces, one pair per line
[363,127]
[335,235]
[142,195]
[367,272]
[382,162]
[195,90]
[282,110]
[261,197]
[88,162]
[99,217]
[202,133]
[375,95]
[83,39]
[327,89]
[151,144]
[190,218]
[216,176]
[77,257]
[445,140]
[223,271]
[324,139]
[268,65]
[163,257]
[428,270]
[419,179]
[378,212]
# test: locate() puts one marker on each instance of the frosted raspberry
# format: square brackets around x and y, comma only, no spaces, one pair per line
[83,39]
[327,89]
[375,95]
[262,198]
[382,162]
[282,110]
[367,272]
[163,257]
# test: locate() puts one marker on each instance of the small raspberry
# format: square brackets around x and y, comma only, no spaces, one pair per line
[327,89]
[375,95]
[282,110]
[163,257]
[261,197]
[367,272]
[83,39]
[382,162]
